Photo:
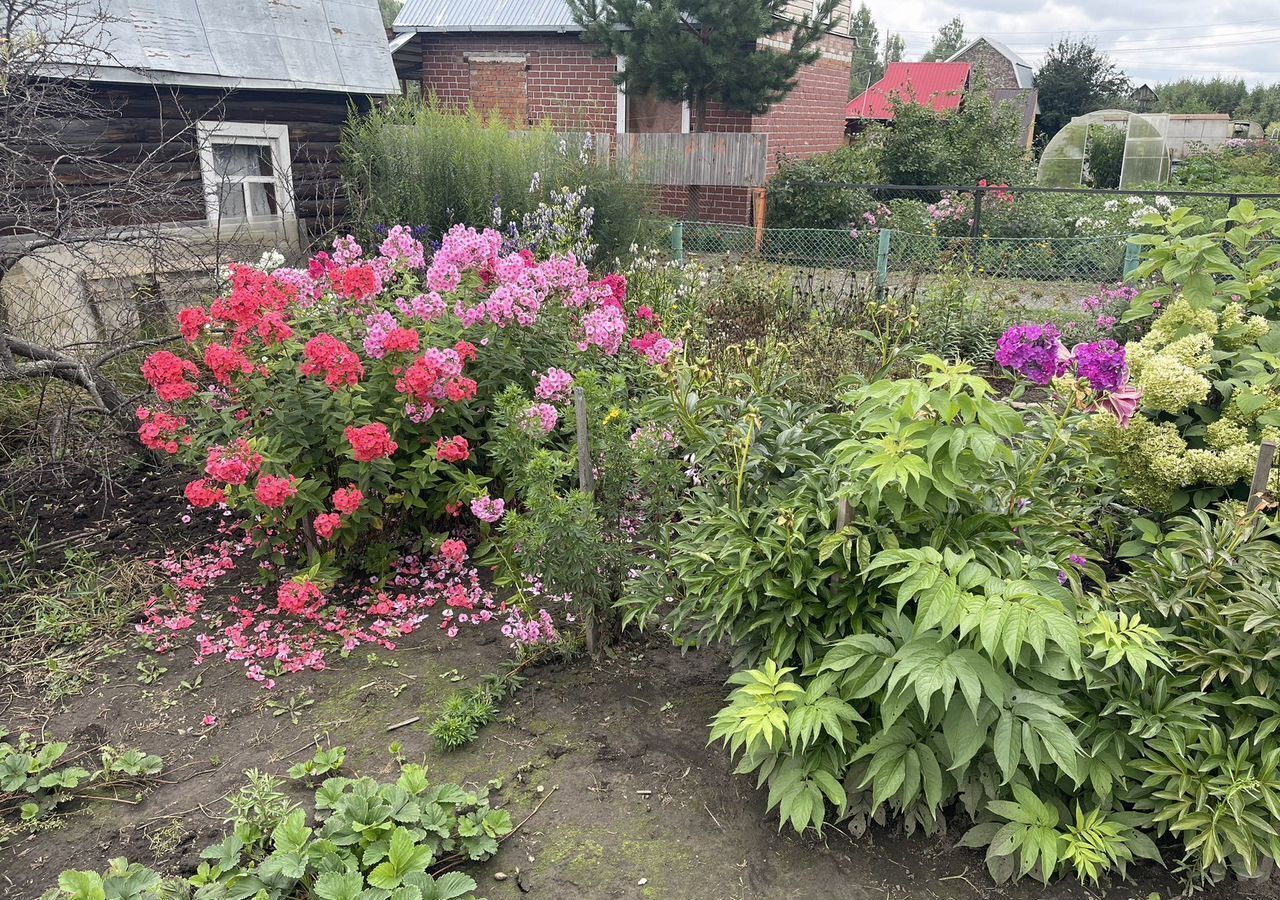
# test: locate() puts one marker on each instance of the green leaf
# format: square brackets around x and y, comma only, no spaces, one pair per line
[82,885]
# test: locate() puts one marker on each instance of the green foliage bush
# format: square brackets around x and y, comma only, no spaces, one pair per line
[950,642]
[1105,157]
[420,164]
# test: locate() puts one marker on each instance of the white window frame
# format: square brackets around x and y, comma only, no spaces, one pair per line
[276,137]
[621,122]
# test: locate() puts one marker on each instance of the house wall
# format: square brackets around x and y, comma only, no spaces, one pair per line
[990,65]
[562,81]
[810,120]
[106,290]
[557,78]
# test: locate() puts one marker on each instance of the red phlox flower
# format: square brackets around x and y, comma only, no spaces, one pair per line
[460,388]
[253,295]
[401,340]
[159,430]
[225,363]
[466,351]
[202,493]
[419,380]
[371,442]
[326,524]
[167,374]
[347,500]
[233,465]
[453,450]
[617,285]
[358,282]
[191,322]
[274,491]
[328,356]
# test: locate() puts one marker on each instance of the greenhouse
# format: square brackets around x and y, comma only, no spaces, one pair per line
[1065,161]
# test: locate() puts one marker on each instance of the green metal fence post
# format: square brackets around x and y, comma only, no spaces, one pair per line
[677,241]
[882,258]
[1131,259]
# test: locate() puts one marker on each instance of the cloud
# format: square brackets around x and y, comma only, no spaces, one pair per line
[1151,41]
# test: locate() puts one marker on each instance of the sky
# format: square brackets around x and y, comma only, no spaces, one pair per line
[1152,41]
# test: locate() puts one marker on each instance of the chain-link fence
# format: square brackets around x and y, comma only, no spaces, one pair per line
[889,252]
[1024,234]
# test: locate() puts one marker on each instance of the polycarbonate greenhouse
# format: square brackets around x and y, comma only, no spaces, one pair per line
[1146,156]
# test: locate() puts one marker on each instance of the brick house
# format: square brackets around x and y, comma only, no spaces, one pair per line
[1007,77]
[525,59]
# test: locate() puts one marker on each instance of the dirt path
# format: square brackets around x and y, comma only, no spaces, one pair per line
[633,803]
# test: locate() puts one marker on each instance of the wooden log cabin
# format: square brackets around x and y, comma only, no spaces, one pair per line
[235,107]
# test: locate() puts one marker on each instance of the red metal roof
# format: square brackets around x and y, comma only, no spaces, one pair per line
[940,86]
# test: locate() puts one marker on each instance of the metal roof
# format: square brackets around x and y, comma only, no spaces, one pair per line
[485,15]
[939,86]
[323,45]
[1021,68]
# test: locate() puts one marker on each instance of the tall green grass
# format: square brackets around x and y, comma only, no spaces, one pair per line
[414,162]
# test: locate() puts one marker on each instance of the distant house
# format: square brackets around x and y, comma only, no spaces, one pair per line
[994,64]
[525,60]
[939,86]
[1143,98]
[1007,77]
[237,107]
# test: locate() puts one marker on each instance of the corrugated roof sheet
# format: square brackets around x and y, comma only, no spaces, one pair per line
[327,45]
[939,86]
[485,15]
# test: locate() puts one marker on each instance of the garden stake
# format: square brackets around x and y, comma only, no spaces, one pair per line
[586,484]
[1261,475]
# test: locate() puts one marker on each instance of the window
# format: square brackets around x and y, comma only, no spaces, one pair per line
[246,171]
[646,114]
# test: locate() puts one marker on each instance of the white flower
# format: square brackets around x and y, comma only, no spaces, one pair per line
[1164,203]
[1131,199]
[270,260]
[1111,205]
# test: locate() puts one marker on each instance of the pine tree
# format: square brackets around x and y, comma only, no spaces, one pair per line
[946,42]
[701,50]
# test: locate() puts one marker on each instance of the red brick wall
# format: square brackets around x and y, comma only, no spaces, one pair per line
[715,203]
[810,120]
[566,84]
[572,88]
[500,86]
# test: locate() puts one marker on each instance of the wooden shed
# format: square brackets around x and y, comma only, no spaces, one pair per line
[236,108]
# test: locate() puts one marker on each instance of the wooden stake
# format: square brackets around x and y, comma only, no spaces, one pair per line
[586,484]
[586,476]
[1261,475]
[758,209]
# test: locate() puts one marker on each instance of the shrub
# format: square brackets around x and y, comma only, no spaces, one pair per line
[345,410]
[422,165]
[1106,156]
[1209,391]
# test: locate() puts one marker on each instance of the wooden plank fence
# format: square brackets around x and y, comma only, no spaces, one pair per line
[732,160]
